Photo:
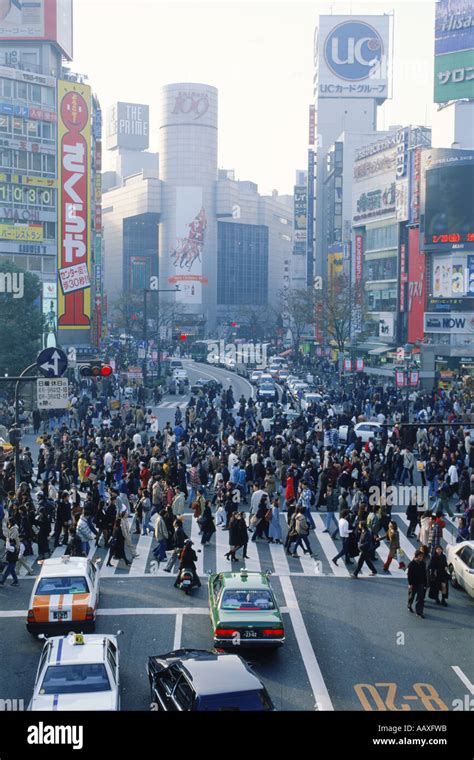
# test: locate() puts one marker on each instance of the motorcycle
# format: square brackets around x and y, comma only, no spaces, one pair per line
[186,580]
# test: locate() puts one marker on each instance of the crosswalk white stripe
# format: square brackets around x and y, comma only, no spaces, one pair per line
[196,538]
[405,543]
[279,558]
[58,552]
[143,547]
[320,692]
[329,548]
[222,547]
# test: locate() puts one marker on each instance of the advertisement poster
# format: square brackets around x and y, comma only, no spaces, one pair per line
[470,270]
[187,254]
[50,313]
[416,286]
[38,20]
[74,206]
[352,56]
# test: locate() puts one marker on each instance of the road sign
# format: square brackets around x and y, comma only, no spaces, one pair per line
[52,393]
[141,353]
[72,357]
[52,362]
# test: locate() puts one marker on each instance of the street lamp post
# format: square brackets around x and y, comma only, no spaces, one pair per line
[145,328]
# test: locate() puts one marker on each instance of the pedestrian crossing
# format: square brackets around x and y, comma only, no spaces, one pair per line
[263,556]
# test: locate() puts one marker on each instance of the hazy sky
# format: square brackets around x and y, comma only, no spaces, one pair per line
[260,57]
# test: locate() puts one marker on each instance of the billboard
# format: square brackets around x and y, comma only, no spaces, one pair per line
[128,126]
[74,206]
[187,253]
[447,199]
[386,324]
[454,46]
[50,312]
[416,286]
[352,57]
[451,276]
[457,323]
[38,20]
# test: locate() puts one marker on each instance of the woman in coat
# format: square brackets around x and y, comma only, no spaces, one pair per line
[206,523]
[234,538]
[269,483]
[425,525]
[393,538]
[274,527]
[438,577]
[412,516]
[117,545]
[44,525]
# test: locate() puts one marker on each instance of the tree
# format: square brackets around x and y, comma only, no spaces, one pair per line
[260,321]
[300,306]
[21,319]
[337,307]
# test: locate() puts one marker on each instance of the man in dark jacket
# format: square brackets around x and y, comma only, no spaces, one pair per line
[417,583]
[366,547]
[62,520]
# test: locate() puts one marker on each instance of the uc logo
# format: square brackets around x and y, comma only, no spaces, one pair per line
[352,49]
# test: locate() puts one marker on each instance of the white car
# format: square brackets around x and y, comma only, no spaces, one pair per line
[299,386]
[460,558]
[309,398]
[363,430]
[256,375]
[180,375]
[78,672]
[65,593]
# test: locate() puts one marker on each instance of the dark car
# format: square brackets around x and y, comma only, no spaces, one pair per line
[196,679]
[206,385]
[267,392]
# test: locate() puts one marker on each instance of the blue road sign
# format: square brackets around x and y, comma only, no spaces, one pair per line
[52,362]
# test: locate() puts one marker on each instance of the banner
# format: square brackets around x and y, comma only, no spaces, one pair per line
[400,378]
[187,253]
[359,365]
[74,202]
[414,378]
[347,365]
[33,232]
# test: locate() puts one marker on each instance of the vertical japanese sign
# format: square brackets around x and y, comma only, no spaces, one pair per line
[359,365]
[400,378]
[358,249]
[74,203]
[403,275]
[312,125]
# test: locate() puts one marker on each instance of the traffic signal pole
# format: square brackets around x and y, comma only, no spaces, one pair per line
[17,418]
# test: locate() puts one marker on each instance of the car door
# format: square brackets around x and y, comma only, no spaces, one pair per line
[466,557]
[216,588]
[93,577]
[41,666]
[461,564]
[183,695]
[112,659]
[165,683]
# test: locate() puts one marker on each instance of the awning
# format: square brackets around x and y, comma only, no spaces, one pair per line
[380,350]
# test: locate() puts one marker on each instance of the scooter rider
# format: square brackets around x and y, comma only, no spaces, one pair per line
[187,561]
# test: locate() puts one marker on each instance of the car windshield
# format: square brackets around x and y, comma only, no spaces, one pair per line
[66,585]
[241,700]
[247,600]
[75,679]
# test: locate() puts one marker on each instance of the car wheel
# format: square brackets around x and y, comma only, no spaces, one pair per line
[452,575]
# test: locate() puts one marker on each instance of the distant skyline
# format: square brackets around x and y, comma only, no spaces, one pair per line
[260,57]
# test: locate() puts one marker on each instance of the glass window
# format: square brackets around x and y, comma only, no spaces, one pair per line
[169,678]
[62,585]
[22,90]
[48,94]
[35,93]
[21,159]
[247,600]
[32,128]
[34,263]
[5,157]
[183,694]
[5,123]
[35,162]
[49,230]
[48,164]
[17,126]
[75,679]
[47,130]
[381,237]
[6,88]
[49,264]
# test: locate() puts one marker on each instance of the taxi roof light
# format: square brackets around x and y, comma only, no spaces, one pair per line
[77,639]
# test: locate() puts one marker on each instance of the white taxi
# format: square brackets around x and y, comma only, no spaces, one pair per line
[78,672]
[65,593]
[460,559]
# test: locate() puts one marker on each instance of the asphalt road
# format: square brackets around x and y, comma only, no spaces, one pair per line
[350,644]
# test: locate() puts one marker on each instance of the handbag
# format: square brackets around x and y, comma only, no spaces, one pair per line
[254,520]
[268,515]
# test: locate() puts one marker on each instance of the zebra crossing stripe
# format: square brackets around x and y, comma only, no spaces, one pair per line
[329,548]
[196,538]
[222,547]
[143,547]
[383,552]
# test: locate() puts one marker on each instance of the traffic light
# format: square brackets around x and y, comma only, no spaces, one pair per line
[183,336]
[14,436]
[95,369]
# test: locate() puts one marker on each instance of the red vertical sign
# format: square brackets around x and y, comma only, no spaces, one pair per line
[416,286]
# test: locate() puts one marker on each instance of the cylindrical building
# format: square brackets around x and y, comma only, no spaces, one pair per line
[188,170]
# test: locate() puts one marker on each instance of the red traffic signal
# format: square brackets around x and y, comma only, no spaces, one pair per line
[96,369]
[234,324]
[183,336]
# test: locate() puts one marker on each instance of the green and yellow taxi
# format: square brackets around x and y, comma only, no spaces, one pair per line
[244,611]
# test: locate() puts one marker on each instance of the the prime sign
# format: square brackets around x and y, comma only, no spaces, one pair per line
[128,126]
